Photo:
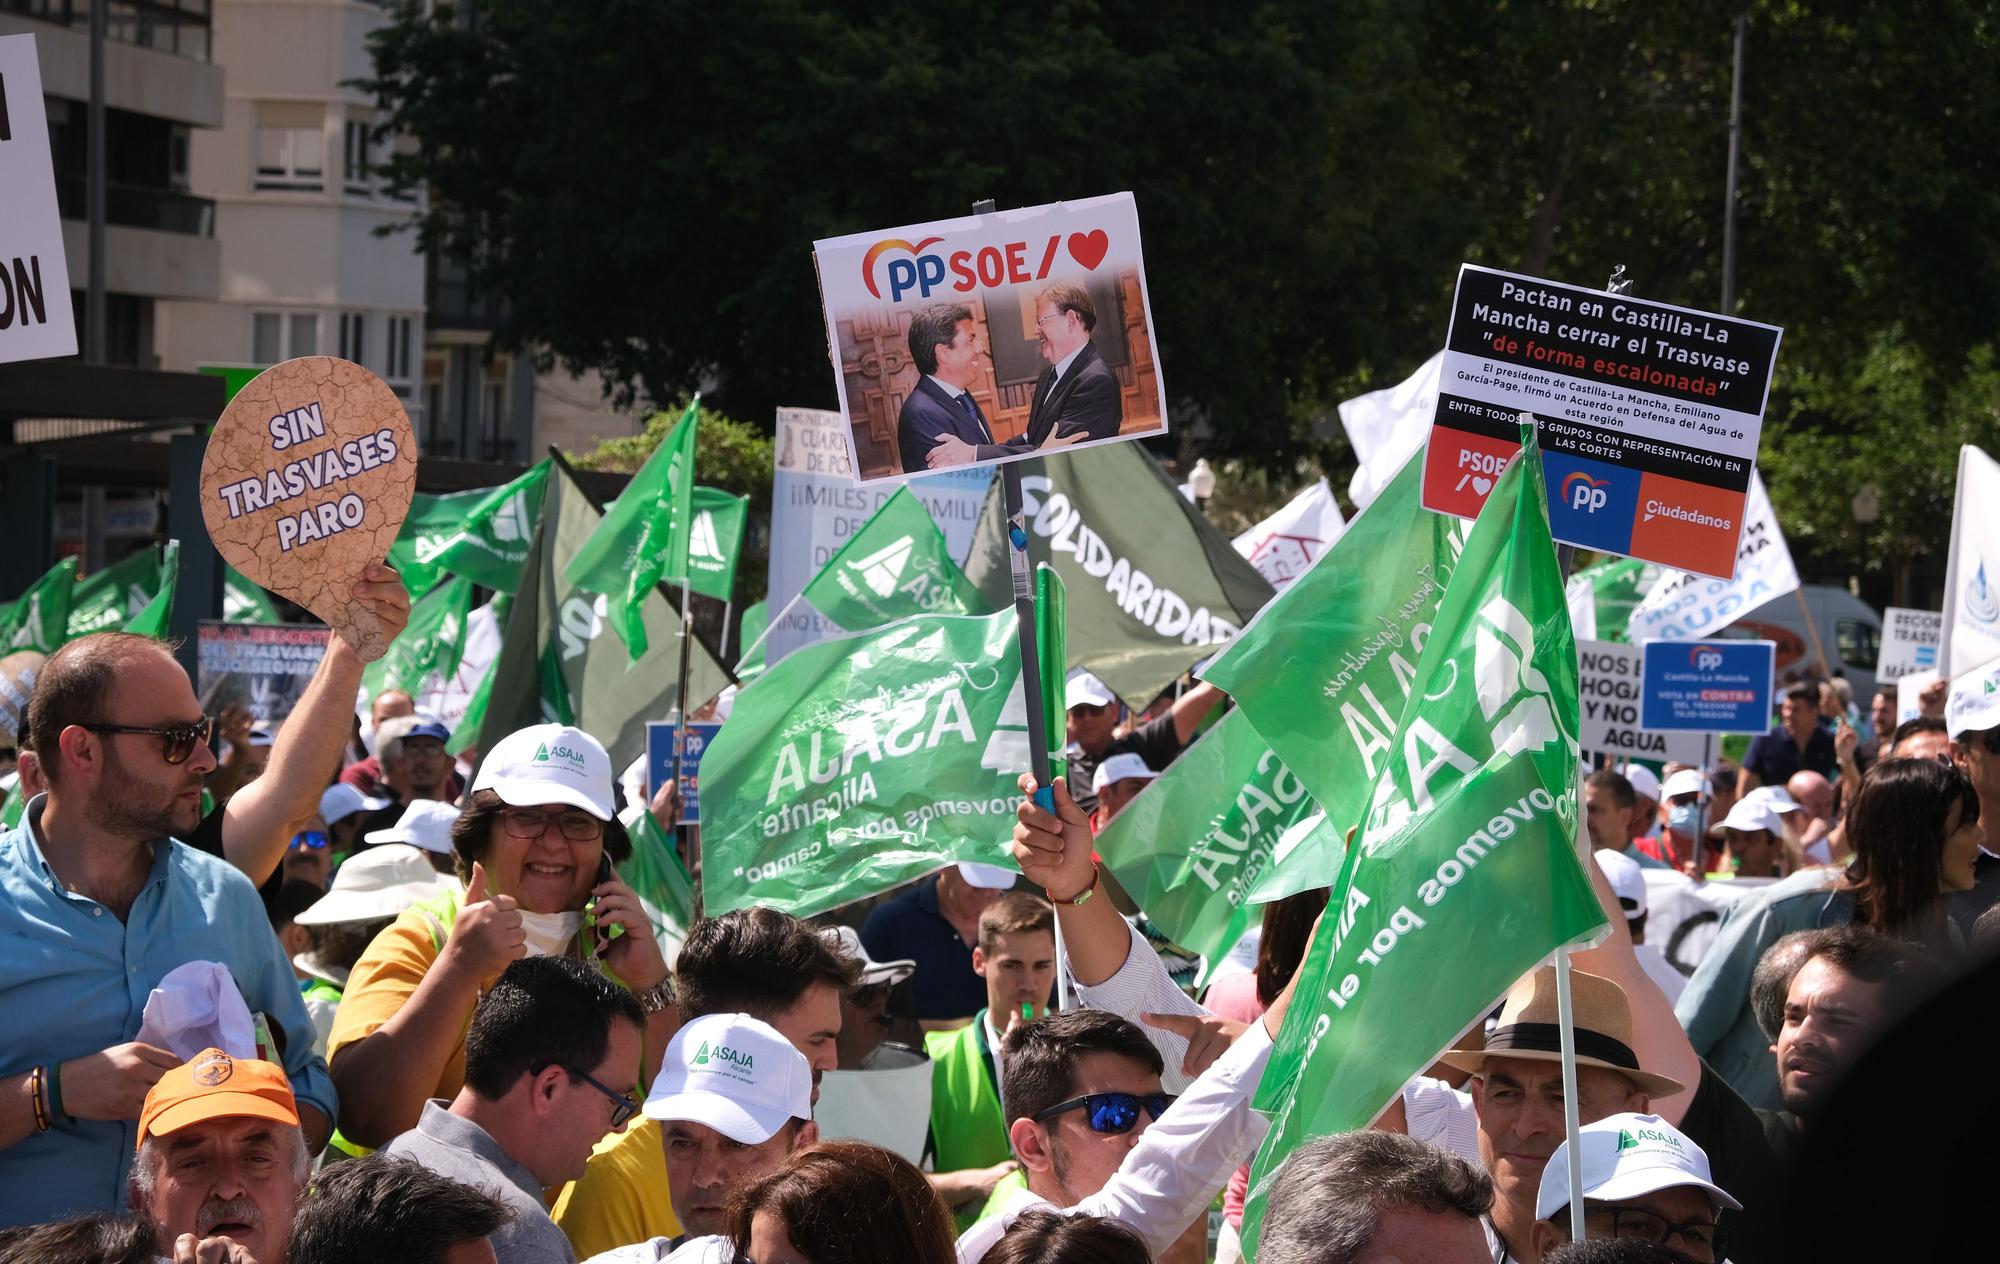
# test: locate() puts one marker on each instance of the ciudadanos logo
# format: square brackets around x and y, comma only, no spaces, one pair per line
[907,267]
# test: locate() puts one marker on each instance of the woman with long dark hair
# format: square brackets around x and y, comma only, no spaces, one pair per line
[842,1202]
[1914,828]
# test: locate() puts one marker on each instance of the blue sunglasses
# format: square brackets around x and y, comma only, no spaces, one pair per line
[1111,1112]
[314,839]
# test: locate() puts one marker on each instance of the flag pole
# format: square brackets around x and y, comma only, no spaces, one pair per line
[768,625]
[681,688]
[1031,668]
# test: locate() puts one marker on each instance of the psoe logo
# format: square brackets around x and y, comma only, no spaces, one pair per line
[1016,263]
[1705,658]
[1582,492]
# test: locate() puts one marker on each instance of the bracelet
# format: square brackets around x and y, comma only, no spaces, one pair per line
[35,1096]
[55,1095]
[1081,896]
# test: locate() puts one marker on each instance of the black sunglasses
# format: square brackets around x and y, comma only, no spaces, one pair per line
[623,1107]
[1111,1112]
[177,741]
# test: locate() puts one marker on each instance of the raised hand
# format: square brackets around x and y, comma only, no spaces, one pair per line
[1054,851]
[488,935]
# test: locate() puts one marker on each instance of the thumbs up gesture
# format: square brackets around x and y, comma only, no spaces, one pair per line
[487,936]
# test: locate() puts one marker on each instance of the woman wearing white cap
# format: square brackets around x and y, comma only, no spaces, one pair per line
[534,843]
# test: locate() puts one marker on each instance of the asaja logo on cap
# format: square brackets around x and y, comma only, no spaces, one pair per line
[1629,1138]
[544,753]
[213,1070]
[741,1061]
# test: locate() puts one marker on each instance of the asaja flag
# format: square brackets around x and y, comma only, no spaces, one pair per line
[1285,544]
[1681,606]
[555,663]
[1324,670]
[433,641]
[750,631]
[1603,596]
[39,618]
[478,535]
[1972,571]
[1387,427]
[895,566]
[657,876]
[245,602]
[153,618]
[1153,586]
[1465,874]
[106,599]
[1189,849]
[856,764]
[715,540]
[643,538]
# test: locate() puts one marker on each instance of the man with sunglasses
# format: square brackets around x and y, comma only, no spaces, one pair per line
[100,902]
[551,1065]
[1972,715]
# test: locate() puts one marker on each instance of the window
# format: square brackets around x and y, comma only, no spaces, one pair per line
[276,336]
[1858,644]
[305,335]
[396,366]
[290,148]
[354,337]
[356,158]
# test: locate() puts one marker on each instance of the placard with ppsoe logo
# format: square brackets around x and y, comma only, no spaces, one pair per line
[1707,686]
[992,338]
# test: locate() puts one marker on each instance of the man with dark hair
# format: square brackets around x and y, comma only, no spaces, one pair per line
[949,354]
[1795,742]
[414,766]
[756,961]
[1840,999]
[1375,1195]
[385,1208]
[551,1065]
[94,879]
[1609,808]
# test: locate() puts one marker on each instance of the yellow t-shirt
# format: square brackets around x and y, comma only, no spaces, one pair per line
[383,981]
[621,1198]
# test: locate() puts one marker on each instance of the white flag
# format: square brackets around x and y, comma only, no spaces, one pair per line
[1682,607]
[1972,574]
[1283,545]
[1386,427]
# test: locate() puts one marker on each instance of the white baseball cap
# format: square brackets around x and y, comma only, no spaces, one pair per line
[1776,798]
[377,883]
[1628,881]
[987,877]
[848,943]
[1645,782]
[1120,767]
[1086,690]
[1974,702]
[426,823]
[1628,1156]
[1686,781]
[734,1074]
[549,763]
[1750,814]
[340,801]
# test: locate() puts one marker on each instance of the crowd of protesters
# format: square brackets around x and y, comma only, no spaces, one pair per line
[328,993]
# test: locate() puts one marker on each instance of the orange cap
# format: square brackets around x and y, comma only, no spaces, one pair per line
[214,1085]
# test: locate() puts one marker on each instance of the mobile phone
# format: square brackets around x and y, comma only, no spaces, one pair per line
[600,942]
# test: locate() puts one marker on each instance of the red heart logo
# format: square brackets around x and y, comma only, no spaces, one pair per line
[1088,248]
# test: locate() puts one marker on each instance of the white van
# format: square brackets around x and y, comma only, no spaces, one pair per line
[1849,630]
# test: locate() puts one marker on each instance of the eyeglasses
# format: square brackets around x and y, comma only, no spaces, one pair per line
[578,827]
[1043,320]
[1637,1222]
[313,839]
[622,1108]
[1112,1113]
[177,741]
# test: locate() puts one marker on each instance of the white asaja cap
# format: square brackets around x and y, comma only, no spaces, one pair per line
[735,1074]
[549,763]
[1974,702]
[1625,1157]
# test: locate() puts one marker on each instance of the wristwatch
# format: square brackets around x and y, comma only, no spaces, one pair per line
[657,997]
[1080,896]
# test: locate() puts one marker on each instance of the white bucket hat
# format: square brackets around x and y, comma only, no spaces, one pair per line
[426,823]
[377,883]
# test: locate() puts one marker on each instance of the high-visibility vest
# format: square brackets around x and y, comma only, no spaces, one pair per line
[968,1128]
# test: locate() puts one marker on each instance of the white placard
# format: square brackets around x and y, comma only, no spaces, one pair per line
[1610,685]
[1909,643]
[35,317]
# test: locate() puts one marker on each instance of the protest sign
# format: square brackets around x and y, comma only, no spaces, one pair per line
[1611,678]
[1681,606]
[660,735]
[1971,634]
[1707,686]
[262,668]
[1910,691]
[1910,641]
[1648,414]
[1283,545]
[816,505]
[35,317]
[307,478]
[1465,873]
[1152,584]
[989,337]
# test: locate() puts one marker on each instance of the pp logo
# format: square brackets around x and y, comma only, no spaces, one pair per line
[1704,658]
[1584,493]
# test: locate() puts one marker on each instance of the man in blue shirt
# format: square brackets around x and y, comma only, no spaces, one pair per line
[1795,742]
[98,902]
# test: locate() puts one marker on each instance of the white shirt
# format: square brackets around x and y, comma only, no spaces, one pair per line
[712,1249]
[946,387]
[1143,986]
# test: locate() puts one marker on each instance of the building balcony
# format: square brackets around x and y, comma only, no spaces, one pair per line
[138,206]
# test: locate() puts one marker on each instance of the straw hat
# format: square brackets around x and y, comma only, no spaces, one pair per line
[1528,1029]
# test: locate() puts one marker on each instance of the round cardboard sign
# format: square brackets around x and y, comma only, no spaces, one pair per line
[307,479]
[17,682]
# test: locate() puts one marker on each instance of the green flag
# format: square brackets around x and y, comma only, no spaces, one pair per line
[432,641]
[1322,672]
[105,600]
[1153,586]
[480,535]
[245,602]
[154,617]
[895,566]
[552,665]
[470,725]
[657,876]
[715,541]
[1191,847]
[1603,596]
[39,618]
[750,631]
[643,539]
[1465,873]
[858,763]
